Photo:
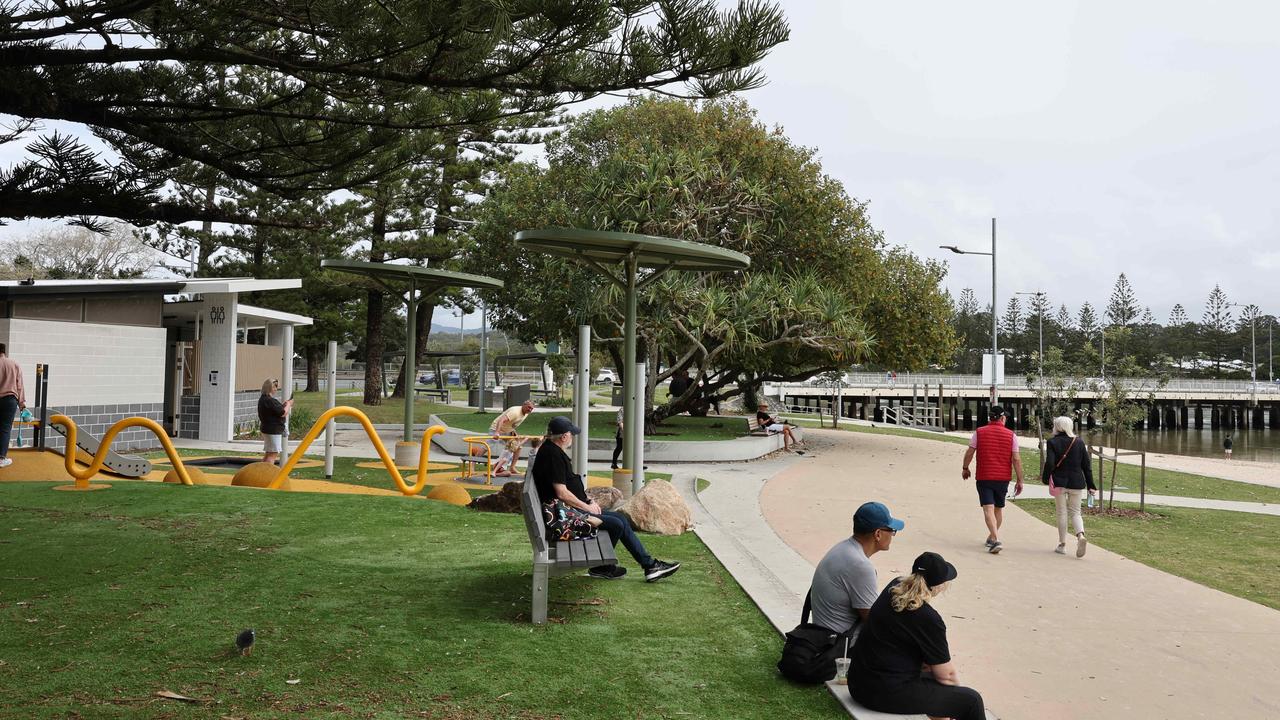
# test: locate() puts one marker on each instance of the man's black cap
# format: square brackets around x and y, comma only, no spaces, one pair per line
[996,411]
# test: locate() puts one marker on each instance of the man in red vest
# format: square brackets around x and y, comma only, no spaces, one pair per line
[997,449]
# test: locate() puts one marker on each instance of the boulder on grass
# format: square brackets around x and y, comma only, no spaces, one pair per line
[658,508]
[607,498]
[506,500]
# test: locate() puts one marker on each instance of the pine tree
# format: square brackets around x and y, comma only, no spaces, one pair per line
[967,306]
[1063,319]
[1088,320]
[1122,309]
[1217,324]
[1178,316]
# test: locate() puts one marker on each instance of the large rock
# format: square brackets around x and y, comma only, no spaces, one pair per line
[607,497]
[658,508]
[506,500]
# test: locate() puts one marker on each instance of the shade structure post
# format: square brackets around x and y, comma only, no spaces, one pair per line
[629,379]
[287,389]
[582,399]
[331,390]
[410,362]
[635,429]
[484,357]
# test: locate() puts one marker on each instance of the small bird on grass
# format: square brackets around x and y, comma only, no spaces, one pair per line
[244,641]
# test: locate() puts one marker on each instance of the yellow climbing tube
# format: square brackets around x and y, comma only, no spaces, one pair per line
[104,447]
[401,485]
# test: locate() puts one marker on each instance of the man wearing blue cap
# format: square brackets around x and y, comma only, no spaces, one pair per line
[553,474]
[845,584]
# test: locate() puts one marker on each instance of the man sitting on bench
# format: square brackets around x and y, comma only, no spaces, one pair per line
[554,477]
[773,426]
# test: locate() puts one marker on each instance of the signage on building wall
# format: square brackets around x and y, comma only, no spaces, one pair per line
[213,378]
[217,315]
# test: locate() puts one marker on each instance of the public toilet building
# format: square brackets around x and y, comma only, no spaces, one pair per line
[183,352]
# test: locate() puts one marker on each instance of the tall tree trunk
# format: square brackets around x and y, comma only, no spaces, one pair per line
[314,357]
[374,344]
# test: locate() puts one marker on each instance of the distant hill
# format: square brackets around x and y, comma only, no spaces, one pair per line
[437,329]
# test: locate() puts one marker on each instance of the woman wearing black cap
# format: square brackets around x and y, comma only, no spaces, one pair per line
[903,634]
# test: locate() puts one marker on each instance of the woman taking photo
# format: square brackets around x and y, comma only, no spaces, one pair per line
[1066,464]
[902,635]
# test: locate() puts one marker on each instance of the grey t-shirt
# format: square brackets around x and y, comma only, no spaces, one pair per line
[844,582]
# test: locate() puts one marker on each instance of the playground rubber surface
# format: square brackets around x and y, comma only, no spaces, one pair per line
[47,466]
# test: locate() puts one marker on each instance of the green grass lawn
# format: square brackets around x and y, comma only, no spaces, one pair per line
[1234,552]
[377,608]
[390,411]
[680,427]
[1159,482]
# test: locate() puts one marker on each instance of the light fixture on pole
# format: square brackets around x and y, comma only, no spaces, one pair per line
[995,376]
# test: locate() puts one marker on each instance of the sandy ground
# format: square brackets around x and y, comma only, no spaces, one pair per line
[1040,635]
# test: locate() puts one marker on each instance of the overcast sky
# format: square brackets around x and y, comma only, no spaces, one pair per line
[1135,137]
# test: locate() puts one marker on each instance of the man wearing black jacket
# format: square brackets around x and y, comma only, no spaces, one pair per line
[554,477]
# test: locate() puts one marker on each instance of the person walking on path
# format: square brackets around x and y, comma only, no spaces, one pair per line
[553,474]
[271,415]
[845,585]
[12,399]
[903,635]
[1226,446]
[1068,473]
[617,441]
[997,450]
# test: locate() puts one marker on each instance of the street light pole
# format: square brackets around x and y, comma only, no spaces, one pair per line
[995,318]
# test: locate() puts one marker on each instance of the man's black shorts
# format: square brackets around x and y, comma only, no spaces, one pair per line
[992,492]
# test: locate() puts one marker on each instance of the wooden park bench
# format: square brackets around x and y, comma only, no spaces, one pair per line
[556,558]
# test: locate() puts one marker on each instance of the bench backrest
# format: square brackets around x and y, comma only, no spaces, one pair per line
[531,507]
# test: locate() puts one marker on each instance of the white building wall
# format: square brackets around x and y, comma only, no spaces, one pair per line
[218,366]
[89,364]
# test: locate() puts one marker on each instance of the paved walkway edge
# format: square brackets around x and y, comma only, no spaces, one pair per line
[776,597]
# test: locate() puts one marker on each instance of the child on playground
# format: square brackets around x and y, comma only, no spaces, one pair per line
[505,465]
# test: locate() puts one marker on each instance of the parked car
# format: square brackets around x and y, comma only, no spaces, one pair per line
[606,377]
[426,378]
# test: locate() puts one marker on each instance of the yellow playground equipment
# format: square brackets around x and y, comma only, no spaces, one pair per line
[104,449]
[82,475]
[479,450]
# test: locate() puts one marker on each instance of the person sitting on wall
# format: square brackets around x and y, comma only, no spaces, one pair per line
[271,420]
[773,426]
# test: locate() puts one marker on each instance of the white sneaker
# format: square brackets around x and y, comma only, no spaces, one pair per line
[6,462]
[1081,545]
[1061,549]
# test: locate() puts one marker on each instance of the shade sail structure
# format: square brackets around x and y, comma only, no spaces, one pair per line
[411,283]
[619,257]
[648,251]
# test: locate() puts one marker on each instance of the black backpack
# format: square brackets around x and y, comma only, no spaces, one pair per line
[810,652]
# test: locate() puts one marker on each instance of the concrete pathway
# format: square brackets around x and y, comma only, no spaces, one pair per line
[1040,635]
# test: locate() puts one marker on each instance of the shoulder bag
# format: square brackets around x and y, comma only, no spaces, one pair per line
[810,652]
[1054,489]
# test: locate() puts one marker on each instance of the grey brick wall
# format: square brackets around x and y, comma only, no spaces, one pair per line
[246,413]
[95,419]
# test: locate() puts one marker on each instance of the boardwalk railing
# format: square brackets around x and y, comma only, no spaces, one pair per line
[906,380]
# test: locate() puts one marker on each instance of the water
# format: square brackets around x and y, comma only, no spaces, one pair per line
[1255,445]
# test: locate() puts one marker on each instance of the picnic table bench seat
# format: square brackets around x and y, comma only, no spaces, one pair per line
[440,394]
[556,558]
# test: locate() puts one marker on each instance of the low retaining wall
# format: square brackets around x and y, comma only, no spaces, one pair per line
[655,451]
